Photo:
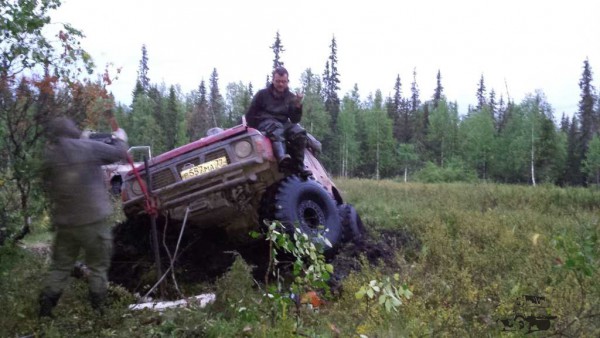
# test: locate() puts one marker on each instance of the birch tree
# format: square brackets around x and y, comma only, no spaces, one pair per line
[347,132]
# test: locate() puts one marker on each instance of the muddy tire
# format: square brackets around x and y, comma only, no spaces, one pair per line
[305,203]
[352,226]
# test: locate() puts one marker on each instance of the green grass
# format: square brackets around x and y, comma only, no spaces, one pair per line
[482,246]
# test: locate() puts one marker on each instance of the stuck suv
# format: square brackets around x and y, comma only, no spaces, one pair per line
[212,192]
[231,180]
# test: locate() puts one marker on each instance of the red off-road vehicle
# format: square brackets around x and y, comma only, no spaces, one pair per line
[228,183]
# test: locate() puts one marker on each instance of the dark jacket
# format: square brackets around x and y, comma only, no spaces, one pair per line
[267,104]
[74,180]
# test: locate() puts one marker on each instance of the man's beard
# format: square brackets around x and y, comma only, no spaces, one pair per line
[279,93]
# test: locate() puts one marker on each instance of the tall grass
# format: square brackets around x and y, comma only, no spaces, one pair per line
[484,245]
[481,248]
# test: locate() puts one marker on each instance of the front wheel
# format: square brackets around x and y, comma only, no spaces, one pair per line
[352,226]
[307,205]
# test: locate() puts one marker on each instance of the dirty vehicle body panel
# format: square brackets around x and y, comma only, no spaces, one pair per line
[217,181]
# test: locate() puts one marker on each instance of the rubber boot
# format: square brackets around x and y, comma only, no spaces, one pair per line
[297,151]
[301,170]
[283,159]
[47,303]
[98,301]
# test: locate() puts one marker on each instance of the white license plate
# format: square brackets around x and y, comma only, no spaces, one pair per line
[203,168]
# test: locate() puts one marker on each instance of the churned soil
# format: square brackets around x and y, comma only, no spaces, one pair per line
[205,255]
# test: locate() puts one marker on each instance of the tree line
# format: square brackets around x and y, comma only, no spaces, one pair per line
[400,136]
[403,136]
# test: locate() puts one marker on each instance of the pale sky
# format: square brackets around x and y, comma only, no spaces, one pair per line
[522,45]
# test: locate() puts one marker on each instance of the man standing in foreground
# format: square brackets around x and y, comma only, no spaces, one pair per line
[276,112]
[80,208]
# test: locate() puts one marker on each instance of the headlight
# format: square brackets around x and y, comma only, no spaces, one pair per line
[135,187]
[243,149]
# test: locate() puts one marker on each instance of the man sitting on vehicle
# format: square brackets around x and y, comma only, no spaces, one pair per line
[276,112]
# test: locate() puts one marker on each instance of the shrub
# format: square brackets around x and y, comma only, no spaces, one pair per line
[454,171]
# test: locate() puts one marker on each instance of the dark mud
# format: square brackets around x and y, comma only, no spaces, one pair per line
[203,255]
[379,248]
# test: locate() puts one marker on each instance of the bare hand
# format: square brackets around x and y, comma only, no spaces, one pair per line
[299,98]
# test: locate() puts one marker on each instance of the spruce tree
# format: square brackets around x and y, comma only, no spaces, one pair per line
[573,174]
[500,111]
[394,110]
[158,106]
[439,90]
[199,119]
[331,84]
[564,123]
[415,102]
[216,102]
[278,49]
[137,90]
[586,112]
[172,120]
[143,79]
[481,102]
[419,116]
[493,107]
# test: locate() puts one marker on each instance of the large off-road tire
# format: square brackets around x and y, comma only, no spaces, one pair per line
[306,204]
[352,226]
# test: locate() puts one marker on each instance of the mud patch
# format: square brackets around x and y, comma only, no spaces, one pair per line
[202,255]
[381,248]
[205,255]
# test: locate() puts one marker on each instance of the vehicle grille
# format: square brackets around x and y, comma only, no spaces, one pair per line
[166,177]
[162,179]
[216,154]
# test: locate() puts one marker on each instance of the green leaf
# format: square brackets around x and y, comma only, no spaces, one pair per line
[329,268]
[407,293]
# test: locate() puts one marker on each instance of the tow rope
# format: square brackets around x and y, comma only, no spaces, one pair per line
[150,204]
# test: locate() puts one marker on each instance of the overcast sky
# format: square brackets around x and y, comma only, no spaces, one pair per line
[522,45]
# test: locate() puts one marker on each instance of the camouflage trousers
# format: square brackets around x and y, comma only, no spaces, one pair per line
[95,239]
